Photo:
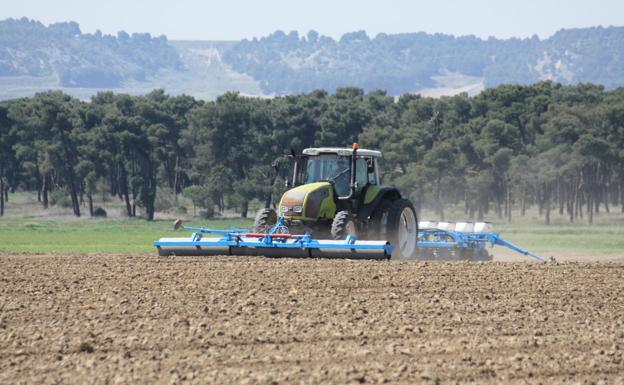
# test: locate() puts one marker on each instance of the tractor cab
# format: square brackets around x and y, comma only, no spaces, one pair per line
[349,171]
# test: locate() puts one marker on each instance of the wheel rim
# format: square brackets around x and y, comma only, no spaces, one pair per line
[407,232]
[350,228]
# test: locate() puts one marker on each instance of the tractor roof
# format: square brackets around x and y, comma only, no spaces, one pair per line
[341,151]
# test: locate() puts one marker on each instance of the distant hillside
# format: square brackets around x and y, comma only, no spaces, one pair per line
[74,59]
[34,58]
[401,63]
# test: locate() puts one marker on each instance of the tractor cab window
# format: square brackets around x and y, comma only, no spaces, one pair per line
[329,167]
[361,172]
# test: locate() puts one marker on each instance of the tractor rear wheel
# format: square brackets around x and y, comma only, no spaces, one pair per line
[343,225]
[265,218]
[402,229]
[380,221]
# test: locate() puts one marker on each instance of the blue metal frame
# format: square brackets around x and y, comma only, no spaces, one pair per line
[269,242]
[436,238]
[234,238]
[427,239]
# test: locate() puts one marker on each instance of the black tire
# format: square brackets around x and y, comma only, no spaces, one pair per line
[265,218]
[402,229]
[379,230]
[343,225]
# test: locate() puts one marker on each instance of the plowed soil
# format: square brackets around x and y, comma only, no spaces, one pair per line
[228,320]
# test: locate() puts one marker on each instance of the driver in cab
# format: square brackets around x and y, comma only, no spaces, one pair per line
[341,177]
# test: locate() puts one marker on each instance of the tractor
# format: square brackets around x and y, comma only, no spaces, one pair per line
[338,192]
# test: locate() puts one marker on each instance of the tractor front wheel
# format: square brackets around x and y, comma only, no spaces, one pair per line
[402,229]
[343,225]
[265,218]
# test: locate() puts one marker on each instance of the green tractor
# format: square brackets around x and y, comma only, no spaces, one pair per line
[338,192]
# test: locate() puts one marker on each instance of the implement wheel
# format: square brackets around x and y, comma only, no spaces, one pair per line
[402,229]
[265,218]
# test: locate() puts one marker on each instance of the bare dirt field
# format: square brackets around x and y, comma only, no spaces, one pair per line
[227,320]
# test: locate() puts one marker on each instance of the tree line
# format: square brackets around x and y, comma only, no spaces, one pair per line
[286,63]
[559,148]
[76,59]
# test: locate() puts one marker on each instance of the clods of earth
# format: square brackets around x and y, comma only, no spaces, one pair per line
[228,320]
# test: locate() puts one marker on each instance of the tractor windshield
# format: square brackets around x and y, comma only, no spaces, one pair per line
[328,167]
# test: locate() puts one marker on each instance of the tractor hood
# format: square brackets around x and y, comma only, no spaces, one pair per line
[308,202]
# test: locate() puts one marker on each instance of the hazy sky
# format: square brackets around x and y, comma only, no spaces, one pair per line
[237,19]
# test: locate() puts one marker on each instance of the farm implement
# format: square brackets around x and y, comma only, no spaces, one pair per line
[276,242]
[461,241]
[436,241]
